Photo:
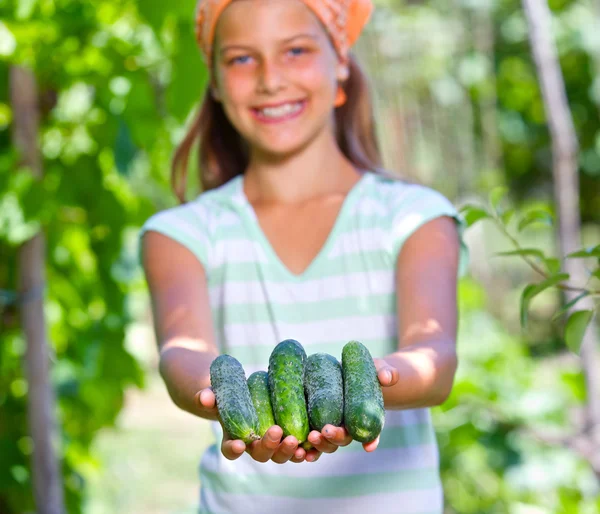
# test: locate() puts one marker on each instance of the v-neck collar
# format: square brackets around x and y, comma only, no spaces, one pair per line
[253,223]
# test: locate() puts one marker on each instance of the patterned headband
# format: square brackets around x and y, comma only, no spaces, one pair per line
[343,19]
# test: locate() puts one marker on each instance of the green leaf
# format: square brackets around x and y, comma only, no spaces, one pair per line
[190,75]
[596,273]
[507,216]
[124,149]
[575,329]
[592,251]
[533,252]
[552,264]
[473,214]
[537,216]
[567,306]
[533,290]
[496,197]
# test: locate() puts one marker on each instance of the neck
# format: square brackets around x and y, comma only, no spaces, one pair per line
[318,169]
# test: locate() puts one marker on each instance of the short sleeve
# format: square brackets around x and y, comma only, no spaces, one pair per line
[183,224]
[418,205]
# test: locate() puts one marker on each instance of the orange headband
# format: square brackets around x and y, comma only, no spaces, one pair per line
[343,19]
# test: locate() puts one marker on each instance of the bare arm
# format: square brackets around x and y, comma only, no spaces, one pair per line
[184,331]
[426,285]
[182,320]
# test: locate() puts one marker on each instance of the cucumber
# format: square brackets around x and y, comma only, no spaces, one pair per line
[286,384]
[364,414]
[324,390]
[258,383]
[236,412]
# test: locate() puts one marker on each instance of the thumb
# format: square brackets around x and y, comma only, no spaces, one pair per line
[388,375]
[205,398]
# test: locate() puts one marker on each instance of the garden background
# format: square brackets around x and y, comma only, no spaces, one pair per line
[95,96]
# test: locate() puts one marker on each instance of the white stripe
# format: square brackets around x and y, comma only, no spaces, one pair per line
[315,332]
[359,284]
[426,501]
[227,219]
[340,463]
[357,241]
[234,251]
[370,207]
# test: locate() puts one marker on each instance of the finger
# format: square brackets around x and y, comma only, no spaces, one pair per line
[321,443]
[232,448]
[263,449]
[206,398]
[286,450]
[387,375]
[313,455]
[336,435]
[299,455]
[371,446]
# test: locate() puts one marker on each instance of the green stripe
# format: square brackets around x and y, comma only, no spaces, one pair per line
[322,487]
[366,305]
[376,260]
[258,355]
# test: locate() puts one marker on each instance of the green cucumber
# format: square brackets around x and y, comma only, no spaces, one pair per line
[286,383]
[258,383]
[236,411]
[364,414]
[324,389]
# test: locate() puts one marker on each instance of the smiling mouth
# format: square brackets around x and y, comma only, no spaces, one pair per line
[281,112]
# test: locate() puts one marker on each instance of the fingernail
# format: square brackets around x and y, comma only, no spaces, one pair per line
[388,375]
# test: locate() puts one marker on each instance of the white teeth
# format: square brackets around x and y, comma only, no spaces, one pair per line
[282,110]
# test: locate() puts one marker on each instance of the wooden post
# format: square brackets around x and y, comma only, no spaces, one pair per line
[46,473]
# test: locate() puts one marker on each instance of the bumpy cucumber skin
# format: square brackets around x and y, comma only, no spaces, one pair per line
[364,413]
[324,388]
[236,411]
[286,384]
[258,383]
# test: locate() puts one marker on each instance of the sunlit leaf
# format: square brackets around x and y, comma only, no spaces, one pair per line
[592,251]
[553,264]
[575,329]
[570,304]
[507,216]
[473,214]
[533,290]
[529,252]
[536,217]
[496,197]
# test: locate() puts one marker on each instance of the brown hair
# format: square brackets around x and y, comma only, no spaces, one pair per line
[223,153]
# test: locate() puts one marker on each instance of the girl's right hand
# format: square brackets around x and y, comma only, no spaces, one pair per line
[270,447]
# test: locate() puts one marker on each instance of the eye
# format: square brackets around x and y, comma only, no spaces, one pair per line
[239,59]
[297,50]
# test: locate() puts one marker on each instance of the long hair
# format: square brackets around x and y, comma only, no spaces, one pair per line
[223,153]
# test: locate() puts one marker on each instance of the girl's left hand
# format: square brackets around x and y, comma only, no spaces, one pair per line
[331,437]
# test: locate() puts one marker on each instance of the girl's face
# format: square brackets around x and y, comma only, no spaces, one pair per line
[276,74]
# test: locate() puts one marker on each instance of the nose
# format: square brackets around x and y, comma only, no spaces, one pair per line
[270,79]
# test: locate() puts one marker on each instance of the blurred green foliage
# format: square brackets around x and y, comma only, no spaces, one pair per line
[118,80]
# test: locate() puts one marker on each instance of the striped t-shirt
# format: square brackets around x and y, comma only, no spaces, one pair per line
[347,293]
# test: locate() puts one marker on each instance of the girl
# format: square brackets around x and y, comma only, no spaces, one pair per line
[299,235]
